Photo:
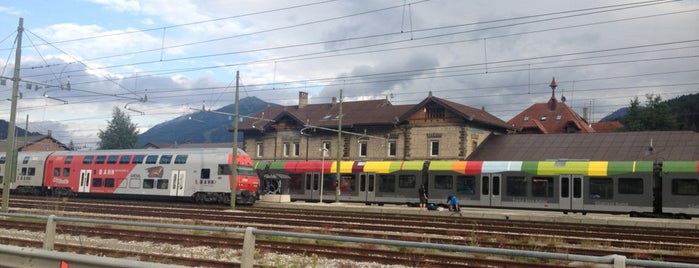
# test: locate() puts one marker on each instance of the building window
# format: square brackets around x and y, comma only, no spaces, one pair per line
[362,148]
[285,149]
[543,118]
[392,149]
[297,149]
[434,112]
[325,149]
[259,149]
[558,117]
[526,118]
[434,148]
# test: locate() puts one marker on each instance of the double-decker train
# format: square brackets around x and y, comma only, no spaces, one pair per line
[668,189]
[203,175]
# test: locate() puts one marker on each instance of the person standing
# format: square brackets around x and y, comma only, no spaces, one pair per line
[422,192]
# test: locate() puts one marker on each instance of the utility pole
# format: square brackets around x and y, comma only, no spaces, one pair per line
[11,171]
[338,180]
[234,161]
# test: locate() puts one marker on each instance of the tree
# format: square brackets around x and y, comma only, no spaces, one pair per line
[655,115]
[120,133]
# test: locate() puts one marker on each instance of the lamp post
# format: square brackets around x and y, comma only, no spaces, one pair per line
[234,161]
[323,151]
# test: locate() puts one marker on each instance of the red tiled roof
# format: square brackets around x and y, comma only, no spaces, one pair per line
[607,126]
[541,118]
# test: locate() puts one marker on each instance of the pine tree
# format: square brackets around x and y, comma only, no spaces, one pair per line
[655,115]
[121,133]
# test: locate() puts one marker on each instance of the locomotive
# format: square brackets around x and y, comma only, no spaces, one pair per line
[640,188]
[202,175]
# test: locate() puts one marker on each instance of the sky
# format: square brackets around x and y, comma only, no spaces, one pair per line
[158,60]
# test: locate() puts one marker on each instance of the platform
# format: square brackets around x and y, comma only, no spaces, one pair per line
[502,214]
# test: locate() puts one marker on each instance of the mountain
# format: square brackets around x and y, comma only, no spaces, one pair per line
[18,130]
[201,127]
[616,115]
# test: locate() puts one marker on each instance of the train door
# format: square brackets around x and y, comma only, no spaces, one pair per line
[312,182]
[490,190]
[367,183]
[85,178]
[571,192]
[177,180]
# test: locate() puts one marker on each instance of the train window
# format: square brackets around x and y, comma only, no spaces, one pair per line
[24,171]
[148,183]
[112,159]
[387,183]
[496,185]
[124,159]
[2,159]
[109,182]
[630,186]
[443,182]
[88,159]
[162,184]
[205,173]
[138,159]
[245,170]
[466,185]
[224,169]
[181,159]
[542,186]
[577,187]
[685,187]
[485,187]
[152,159]
[32,171]
[406,181]
[56,172]
[565,187]
[25,160]
[601,188]
[69,159]
[97,182]
[66,172]
[100,159]
[165,159]
[516,186]
[135,183]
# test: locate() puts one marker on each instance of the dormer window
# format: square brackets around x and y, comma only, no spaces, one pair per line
[543,118]
[526,118]
[558,117]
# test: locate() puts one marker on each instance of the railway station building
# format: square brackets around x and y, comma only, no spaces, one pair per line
[376,130]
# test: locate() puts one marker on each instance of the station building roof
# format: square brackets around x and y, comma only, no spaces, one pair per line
[612,146]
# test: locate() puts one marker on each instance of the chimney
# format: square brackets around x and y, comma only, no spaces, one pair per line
[585,115]
[303,99]
[48,133]
[334,100]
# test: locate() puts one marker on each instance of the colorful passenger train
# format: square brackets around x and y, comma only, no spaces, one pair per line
[637,187]
[202,175]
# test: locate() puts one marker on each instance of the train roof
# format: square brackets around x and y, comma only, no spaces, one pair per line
[150,151]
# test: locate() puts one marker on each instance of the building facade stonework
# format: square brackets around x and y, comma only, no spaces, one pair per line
[434,129]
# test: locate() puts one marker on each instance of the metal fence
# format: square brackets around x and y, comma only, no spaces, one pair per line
[19,257]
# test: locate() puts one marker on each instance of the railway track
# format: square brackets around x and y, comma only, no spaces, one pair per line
[640,243]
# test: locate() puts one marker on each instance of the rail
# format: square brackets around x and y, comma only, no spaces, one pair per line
[19,257]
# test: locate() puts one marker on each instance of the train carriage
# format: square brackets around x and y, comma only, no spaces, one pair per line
[563,185]
[29,176]
[199,174]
